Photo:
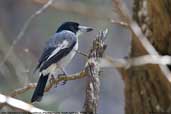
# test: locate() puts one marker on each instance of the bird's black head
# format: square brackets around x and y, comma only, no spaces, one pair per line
[74,27]
[71,26]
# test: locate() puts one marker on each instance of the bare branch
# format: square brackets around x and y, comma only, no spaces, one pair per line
[119,23]
[136,61]
[93,70]
[18,104]
[30,86]
[24,89]
[76,76]
[8,101]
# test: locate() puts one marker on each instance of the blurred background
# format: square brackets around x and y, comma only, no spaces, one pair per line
[17,69]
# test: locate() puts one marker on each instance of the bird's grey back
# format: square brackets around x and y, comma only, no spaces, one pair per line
[58,38]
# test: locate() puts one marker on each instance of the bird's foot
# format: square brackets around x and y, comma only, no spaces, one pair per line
[52,79]
[62,75]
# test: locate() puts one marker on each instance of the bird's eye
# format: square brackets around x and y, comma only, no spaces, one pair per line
[72,28]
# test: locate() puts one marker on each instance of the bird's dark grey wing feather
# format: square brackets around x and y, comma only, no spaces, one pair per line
[45,56]
[58,56]
[53,44]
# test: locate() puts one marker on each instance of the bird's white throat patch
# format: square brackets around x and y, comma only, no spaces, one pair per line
[79,33]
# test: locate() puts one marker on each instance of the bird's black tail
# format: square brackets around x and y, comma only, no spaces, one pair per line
[38,92]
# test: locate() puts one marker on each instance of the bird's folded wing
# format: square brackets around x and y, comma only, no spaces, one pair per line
[52,55]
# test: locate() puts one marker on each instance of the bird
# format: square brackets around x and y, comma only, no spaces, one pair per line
[58,52]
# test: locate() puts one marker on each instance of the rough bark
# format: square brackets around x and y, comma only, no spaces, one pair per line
[93,74]
[146,88]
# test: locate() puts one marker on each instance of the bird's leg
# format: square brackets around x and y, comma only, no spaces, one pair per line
[81,53]
[63,74]
[52,78]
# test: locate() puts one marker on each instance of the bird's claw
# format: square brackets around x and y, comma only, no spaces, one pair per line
[63,75]
[52,79]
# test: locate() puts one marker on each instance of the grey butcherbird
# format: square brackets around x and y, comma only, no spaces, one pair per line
[58,52]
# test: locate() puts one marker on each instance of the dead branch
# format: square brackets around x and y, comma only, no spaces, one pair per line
[5,101]
[30,86]
[124,24]
[93,70]
[18,104]
[126,63]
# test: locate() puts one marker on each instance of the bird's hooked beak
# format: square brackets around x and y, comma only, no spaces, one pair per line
[85,29]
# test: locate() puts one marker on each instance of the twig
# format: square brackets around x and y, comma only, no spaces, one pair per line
[30,86]
[119,23]
[76,76]
[136,61]
[23,30]
[81,53]
[24,89]
[8,101]
[18,104]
